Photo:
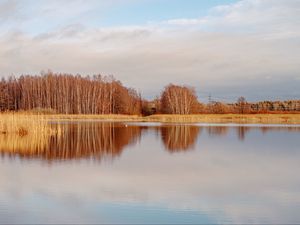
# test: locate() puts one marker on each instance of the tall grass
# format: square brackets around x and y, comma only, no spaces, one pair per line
[25,124]
[227,118]
[25,133]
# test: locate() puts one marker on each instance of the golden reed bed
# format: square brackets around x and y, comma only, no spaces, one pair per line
[228,118]
[24,124]
[29,135]
[25,132]
[36,123]
[196,118]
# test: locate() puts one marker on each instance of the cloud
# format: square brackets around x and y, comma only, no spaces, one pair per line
[272,17]
[149,59]
[185,22]
[231,50]
[8,9]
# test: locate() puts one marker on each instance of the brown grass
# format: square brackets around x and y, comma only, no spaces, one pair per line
[25,132]
[33,123]
[24,124]
[228,118]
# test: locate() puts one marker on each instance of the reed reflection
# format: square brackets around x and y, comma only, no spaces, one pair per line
[74,141]
[215,131]
[178,138]
[286,129]
[107,140]
[241,132]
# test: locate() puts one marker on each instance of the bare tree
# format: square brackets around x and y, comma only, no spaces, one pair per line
[178,100]
[66,93]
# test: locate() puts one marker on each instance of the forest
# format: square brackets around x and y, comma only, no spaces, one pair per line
[76,94]
[68,94]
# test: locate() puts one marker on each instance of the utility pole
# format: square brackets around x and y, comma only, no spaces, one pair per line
[209,99]
[209,103]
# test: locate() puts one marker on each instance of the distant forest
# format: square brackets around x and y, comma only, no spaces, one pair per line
[69,94]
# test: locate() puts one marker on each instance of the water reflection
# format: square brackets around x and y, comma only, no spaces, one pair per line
[75,141]
[242,131]
[179,137]
[217,130]
[223,180]
[108,140]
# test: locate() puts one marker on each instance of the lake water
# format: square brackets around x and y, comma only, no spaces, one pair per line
[152,173]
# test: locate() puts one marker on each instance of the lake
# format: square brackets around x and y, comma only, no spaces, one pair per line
[95,172]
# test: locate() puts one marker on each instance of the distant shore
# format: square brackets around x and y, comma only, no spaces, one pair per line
[167,118]
[230,118]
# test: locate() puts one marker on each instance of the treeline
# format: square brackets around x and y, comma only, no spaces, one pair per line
[183,100]
[68,94]
[64,93]
[244,107]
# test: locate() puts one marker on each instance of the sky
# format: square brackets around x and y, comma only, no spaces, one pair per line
[223,48]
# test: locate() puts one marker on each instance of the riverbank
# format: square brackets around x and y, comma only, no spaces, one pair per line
[229,118]
[198,118]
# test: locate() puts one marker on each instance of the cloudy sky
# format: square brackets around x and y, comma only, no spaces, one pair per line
[225,48]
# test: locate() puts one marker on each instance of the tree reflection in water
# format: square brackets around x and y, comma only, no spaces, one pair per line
[215,131]
[107,140]
[178,138]
[75,141]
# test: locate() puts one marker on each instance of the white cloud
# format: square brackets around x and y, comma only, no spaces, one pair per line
[231,48]
[186,22]
[250,16]
[7,9]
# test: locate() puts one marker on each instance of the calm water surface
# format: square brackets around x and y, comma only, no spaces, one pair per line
[151,173]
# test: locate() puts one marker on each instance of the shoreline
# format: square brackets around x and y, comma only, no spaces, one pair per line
[167,118]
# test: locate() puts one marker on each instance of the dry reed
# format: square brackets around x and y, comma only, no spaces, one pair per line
[227,118]
[25,122]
